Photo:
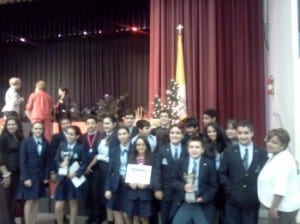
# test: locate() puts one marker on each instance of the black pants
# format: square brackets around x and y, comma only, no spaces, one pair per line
[236,215]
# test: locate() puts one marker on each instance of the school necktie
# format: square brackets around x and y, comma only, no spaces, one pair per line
[245,159]
[124,152]
[194,170]
[176,154]
[39,148]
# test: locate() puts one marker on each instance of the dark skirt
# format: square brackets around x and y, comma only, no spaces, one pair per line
[118,200]
[36,191]
[140,208]
[66,190]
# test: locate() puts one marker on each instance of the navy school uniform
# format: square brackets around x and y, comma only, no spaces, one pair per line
[133,131]
[103,163]
[138,201]
[65,189]
[54,144]
[164,169]
[240,184]
[116,177]
[207,188]
[94,192]
[91,185]
[34,166]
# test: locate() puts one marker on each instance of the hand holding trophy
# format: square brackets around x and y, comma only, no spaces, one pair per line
[190,194]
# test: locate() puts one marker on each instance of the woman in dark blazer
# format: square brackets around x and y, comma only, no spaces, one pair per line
[10,142]
[34,166]
[68,154]
[63,105]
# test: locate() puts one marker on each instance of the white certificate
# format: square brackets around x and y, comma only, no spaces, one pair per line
[77,181]
[138,174]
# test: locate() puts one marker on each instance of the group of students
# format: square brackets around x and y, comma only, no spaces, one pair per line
[208,177]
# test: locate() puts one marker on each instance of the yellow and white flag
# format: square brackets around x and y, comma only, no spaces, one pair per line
[180,77]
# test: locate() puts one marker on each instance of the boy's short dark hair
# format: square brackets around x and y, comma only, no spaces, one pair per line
[91,117]
[211,112]
[65,117]
[140,124]
[196,139]
[128,112]
[191,122]
[245,123]
[165,112]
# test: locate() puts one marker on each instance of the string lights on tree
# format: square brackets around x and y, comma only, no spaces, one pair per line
[171,102]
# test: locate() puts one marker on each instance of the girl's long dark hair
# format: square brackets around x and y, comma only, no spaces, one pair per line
[148,153]
[219,144]
[19,133]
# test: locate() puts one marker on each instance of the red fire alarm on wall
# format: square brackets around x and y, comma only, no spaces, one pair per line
[270,85]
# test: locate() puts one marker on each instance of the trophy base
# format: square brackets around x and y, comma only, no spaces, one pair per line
[190,197]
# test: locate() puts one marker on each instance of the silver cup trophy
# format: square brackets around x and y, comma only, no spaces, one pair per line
[190,197]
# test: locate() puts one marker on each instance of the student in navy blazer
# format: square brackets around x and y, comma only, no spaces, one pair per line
[201,211]
[56,139]
[139,196]
[115,188]
[104,150]
[128,118]
[35,171]
[90,141]
[239,171]
[68,154]
[166,161]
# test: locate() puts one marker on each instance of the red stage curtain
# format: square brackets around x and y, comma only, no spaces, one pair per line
[223,49]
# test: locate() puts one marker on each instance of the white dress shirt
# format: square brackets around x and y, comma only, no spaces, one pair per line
[11,101]
[280,176]
[250,152]
[103,150]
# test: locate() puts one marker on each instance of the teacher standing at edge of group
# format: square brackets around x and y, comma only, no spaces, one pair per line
[279,180]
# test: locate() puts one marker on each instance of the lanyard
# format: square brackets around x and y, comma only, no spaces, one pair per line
[91,142]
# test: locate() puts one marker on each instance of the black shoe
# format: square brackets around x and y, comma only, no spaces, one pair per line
[66,220]
[90,220]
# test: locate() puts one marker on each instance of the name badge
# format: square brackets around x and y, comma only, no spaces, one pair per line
[164,161]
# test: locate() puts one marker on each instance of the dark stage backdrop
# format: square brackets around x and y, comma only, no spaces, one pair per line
[114,62]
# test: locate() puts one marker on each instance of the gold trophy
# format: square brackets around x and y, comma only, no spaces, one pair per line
[190,197]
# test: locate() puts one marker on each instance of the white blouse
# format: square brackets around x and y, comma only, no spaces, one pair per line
[280,176]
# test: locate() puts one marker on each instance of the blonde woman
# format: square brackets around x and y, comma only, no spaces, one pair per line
[12,98]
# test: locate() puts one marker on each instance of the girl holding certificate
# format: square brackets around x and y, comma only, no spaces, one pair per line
[115,185]
[71,163]
[139,195]
[34,171]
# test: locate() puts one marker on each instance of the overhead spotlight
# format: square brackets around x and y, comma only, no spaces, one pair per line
[22,39]
[134,29]
[59,35]
[85,33]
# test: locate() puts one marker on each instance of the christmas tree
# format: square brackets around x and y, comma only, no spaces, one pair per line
[157,107]
[171,102]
